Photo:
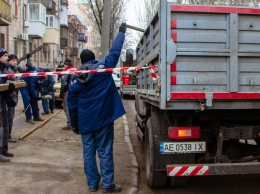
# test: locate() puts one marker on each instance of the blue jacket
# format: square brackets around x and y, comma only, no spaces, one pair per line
[29,67]
[34,83]
[48,83]
[93,101]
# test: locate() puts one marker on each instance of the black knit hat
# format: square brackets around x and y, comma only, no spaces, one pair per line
[87,55]
[68,62]
[11,57]
[3,52]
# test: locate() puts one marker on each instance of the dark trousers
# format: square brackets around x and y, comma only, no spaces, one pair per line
[48,104]
[101,141]
[11,112]
[30,105]
[4,132]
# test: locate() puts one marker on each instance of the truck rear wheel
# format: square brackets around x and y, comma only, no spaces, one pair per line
[154,179]
[178,181]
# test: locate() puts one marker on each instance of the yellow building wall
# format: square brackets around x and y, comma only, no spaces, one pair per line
[52,36]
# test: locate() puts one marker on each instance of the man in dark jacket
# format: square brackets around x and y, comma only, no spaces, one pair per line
[12,69]
[4,131]
[64,90]
[94,104]
[47,84]
[30,93]
[60,68]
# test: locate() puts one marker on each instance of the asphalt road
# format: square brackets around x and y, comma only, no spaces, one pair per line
[50,161]
[242,184]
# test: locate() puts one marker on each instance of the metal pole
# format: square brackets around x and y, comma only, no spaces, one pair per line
[105,29]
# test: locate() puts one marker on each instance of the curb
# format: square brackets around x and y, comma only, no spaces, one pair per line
[134,181]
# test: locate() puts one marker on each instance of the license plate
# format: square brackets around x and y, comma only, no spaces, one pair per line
[182,147]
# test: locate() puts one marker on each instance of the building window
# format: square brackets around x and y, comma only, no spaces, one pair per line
[16,8]
[37,12]
[30,47]
[24,12]
[15,47]
[35,55]
[24,47]
[2,40]
[50,21]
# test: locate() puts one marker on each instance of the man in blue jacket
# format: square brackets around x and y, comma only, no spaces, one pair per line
[30,93]
[94,104]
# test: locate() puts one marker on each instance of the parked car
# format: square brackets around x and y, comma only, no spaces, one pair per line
[116,77]
[58,100]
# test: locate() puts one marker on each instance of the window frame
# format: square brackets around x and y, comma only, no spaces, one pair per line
[40,13]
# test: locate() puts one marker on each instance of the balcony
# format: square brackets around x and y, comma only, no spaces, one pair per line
[64,2]
[37,1]
[64,32]
[81,37]
[74,51]
[51,6]
[51,36]
[37,19]
[5,13]
[63,43]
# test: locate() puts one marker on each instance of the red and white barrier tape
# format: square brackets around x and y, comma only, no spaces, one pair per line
[108,70]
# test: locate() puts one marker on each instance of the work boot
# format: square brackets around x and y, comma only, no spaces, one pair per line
[93,189]
[29,121]
[66,128]
[38,119]
[4,159]
[116,189]
[12,140]
[45,113]
[8,154]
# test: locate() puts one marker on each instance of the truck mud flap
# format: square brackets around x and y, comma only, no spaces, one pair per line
[213,169]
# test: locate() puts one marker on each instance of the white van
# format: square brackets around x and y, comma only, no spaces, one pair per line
[116,77]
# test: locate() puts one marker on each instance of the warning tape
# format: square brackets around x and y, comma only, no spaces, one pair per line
[108,70]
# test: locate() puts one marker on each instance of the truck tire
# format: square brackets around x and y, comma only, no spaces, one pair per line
[154,179]
[178,181]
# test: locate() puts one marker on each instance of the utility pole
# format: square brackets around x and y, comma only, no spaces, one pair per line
[105,29]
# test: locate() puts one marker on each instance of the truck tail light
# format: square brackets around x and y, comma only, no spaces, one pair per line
[184,132]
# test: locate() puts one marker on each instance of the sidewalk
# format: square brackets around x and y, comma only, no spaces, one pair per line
[50,159]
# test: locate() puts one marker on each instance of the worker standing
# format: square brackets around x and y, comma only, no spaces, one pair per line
[94,104]
[4,131]
[12,69]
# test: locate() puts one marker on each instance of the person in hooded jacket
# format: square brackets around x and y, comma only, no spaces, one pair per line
[4,130]
[94,104]
[12,69]
[47,84]
[64,90]
[30,93]
[60,68]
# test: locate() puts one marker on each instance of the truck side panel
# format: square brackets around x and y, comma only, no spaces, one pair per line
[214,52]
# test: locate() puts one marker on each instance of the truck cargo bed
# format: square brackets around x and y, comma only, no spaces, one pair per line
[204,55]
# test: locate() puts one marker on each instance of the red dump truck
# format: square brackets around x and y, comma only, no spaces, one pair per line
[201,116]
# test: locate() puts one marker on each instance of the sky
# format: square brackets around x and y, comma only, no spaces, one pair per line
[131,17]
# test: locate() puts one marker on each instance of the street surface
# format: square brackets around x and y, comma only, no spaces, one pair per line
[50,161]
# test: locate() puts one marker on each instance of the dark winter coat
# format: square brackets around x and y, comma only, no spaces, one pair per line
[34,83]
[12,70]
[48,84]
[94,101]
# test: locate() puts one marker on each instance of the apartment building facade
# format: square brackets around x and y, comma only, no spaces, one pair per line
[93,38]
[25,25]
